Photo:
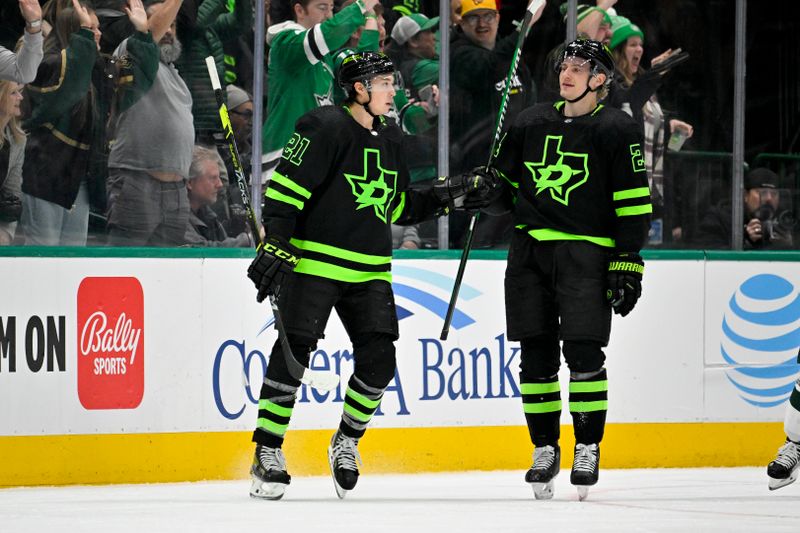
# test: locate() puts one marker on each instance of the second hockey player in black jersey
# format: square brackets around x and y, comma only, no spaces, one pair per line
[581,216]
[341,183]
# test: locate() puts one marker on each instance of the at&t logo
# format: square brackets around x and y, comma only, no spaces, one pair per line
[760,339]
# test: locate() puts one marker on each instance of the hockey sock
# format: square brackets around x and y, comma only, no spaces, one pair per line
[360,403]
[791,423]
[541,402]
[588,404]
[274,412]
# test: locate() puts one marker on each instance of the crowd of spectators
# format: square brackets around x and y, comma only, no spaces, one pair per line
[110,132]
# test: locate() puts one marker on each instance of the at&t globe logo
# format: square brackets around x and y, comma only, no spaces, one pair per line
[760,339]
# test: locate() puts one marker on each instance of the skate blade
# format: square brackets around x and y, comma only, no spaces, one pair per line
[543,491]
[267,491]
[775,484]
[340,492]
[583,492]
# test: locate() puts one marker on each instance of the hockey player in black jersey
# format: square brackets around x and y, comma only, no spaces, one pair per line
[581,215]
[340,185]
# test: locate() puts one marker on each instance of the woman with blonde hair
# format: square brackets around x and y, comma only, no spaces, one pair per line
[12,153]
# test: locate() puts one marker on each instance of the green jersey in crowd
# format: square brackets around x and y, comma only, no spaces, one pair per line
[300,74]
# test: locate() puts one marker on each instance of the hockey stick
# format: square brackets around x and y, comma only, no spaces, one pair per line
[324,381]
[534,6]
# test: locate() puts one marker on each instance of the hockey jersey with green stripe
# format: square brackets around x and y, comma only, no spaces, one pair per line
[578,178]
[336,191]
[300,73]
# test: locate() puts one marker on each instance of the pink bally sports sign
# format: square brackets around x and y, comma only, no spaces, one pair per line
[110,343]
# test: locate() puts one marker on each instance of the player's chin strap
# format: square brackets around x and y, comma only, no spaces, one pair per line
[365,105]
[587,91]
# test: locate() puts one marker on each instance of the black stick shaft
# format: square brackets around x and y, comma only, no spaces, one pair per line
[498,127]
[296,369]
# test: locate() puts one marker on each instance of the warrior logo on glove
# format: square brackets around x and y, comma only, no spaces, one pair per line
[625,272]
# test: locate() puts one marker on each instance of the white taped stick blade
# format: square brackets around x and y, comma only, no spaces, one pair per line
[211,65]
[322,381]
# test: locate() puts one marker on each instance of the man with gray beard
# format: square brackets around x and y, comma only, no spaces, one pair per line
[152,150]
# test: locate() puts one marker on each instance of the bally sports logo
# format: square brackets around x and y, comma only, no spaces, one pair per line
[110,343]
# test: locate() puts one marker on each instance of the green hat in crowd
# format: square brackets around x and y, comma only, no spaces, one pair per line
[623,28]
[583,11]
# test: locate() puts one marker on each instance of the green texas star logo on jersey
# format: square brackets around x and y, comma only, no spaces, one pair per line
[558,172]
[375,187]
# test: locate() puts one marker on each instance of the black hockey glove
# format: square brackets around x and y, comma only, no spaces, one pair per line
[453,190]
[275,260]
[487,198]
[624,281]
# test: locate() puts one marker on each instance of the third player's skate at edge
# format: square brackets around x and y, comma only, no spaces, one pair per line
[785,468]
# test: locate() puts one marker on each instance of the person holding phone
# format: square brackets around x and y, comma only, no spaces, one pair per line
[635,93]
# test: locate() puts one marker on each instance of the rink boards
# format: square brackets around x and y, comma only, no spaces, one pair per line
[147,367]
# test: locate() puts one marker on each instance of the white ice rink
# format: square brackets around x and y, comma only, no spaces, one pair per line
[674,500]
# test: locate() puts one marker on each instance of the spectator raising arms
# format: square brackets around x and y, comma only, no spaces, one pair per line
[12,151]
[21,67]
[300,75]
[152,149]
[67,123]
[203,26]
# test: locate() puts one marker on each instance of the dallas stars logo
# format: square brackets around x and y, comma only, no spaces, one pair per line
[378,192]
[559,172]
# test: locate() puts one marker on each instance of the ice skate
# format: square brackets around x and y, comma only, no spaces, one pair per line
[585,468]
[786,466]
[545,468]
[269,474]
[343,459]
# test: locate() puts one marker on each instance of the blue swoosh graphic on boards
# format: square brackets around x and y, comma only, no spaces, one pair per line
[787,341]
[764,404]
[781,370]
[437,280]
[432,303]
[771,392]
[402,312]
[766,287]
[778,317]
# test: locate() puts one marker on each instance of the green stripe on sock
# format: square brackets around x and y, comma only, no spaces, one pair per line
[588,407]
[363,400]
[544,407]
[267,405]
[355,413]
[272,427]
[588,386]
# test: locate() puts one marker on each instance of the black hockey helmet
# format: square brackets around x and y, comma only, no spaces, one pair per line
[361,67]
[595,52]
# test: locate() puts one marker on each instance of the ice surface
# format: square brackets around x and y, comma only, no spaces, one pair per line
[664,500]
